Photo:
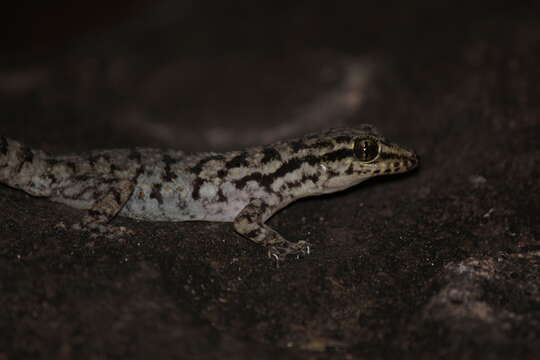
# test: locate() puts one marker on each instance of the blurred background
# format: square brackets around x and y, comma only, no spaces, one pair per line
[213,75]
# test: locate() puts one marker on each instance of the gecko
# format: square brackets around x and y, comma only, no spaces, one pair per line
[244,187]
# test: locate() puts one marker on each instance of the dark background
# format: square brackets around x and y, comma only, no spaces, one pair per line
[440,263]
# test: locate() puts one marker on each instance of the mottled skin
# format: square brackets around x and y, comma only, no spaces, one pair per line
[244,187]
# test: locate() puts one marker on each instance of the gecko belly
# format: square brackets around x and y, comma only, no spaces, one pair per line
[175,201]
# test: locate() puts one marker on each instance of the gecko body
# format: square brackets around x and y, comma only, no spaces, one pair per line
[244,187]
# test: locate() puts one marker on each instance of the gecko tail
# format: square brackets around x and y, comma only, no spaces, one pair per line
[22,167]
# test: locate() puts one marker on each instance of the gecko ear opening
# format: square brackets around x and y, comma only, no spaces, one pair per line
[365,149]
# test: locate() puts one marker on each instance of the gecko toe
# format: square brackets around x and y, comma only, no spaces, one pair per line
[280,252]
[106,231]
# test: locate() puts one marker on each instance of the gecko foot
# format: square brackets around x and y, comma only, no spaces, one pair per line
[107,231]
[280,251]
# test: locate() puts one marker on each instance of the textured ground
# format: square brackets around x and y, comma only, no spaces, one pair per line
[441,263]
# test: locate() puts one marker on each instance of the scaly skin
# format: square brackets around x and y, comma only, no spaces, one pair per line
[244,187]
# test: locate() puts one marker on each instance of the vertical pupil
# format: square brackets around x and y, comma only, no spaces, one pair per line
[365,149]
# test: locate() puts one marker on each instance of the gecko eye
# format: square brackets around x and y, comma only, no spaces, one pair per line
[366,149]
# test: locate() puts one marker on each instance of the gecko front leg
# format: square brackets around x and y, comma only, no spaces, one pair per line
[250,223]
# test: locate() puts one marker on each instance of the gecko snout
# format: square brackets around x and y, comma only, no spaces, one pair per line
[415,160]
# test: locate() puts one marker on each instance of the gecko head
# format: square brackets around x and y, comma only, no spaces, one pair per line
[362,153]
